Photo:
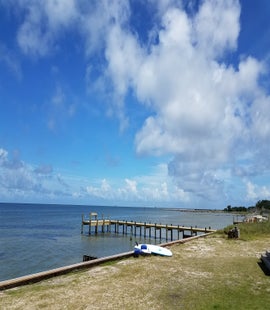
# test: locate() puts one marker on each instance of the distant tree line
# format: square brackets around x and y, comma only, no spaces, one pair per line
[261,205]
[235,209]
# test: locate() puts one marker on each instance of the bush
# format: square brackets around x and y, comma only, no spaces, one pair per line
[250,231]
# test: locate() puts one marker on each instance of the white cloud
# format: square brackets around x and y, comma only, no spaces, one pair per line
[3,156]
[22,181]
[206,113]
[217,27]
[46,21]
[44,169]
[42,23]
[31,37]
[60,13]
[97,20]
[131,186]
[210,116]
[189,103]
[103,191]
[146,189]
[255,192]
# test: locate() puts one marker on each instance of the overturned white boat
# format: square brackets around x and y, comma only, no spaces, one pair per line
[151,249]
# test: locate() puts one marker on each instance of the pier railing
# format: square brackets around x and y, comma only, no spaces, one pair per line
[151,230]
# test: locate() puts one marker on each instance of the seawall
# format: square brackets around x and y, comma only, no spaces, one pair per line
[37,277]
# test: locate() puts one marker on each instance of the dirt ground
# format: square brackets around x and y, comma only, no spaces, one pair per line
[151,282]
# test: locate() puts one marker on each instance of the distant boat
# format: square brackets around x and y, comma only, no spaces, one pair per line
[151,249]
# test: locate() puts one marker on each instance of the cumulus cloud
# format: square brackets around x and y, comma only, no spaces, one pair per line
[44,169]
[24,182]
[15,175]
[97,20]
[209,115]
[156,187]
[3,156]
[255,192]
[103,191]
[217,27]
[189,104]
[42,23]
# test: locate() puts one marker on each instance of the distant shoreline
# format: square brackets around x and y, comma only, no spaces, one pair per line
[197,210]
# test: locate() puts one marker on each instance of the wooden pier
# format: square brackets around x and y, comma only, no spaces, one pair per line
[142,229]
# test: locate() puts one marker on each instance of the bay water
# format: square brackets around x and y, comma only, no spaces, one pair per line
[38,237]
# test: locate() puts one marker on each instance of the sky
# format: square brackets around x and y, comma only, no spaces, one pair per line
[135,103]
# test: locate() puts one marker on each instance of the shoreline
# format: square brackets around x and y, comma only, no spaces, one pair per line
[40,276]
[52,236]
[206,273]
[197,210]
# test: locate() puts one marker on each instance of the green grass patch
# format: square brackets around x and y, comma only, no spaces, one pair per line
[249,231]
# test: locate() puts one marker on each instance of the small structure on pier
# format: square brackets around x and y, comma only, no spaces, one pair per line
[151,230]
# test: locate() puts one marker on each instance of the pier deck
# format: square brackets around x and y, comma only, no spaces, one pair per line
[145,229]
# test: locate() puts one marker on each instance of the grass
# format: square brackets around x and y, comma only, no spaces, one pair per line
[207,273]
[251,231]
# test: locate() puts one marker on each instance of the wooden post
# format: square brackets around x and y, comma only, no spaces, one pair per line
[82,224]
[89,228]
[96,227]
[144,229]
[108,226]
[103,225]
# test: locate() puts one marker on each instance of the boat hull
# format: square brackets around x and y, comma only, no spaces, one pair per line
[146,249]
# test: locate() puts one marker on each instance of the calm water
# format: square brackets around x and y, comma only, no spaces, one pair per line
[36,237]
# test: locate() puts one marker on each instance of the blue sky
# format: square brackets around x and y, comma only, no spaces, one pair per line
[135,103]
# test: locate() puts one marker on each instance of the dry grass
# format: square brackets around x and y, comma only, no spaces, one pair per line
[210,273]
